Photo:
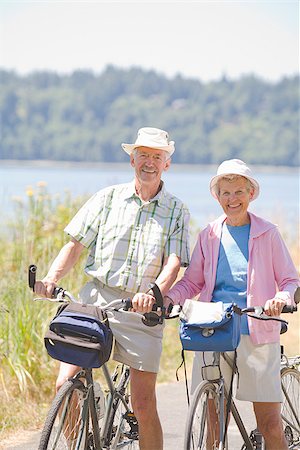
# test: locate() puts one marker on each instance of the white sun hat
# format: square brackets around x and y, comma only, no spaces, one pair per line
[152,138]
[233,167]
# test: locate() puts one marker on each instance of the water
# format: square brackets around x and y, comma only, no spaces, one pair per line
[278,201]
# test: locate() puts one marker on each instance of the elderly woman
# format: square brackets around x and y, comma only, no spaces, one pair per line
[242,258]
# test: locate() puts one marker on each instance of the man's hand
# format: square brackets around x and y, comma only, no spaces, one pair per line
[45,287]
[274,306]
[142,303]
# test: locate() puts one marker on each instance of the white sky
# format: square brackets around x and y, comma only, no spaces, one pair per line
[199,39]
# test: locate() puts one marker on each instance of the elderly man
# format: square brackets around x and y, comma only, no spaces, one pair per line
[135,233]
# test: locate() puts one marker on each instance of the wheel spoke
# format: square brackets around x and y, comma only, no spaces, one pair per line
[202,430]
[290,411]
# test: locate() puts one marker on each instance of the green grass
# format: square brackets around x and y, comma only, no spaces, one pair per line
[27,374]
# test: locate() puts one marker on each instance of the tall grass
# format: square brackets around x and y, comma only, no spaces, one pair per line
[27,374]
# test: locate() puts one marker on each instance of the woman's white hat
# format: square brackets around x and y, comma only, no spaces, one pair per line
[152,138]
[233,167]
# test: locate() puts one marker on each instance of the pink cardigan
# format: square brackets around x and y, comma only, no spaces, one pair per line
[270,269]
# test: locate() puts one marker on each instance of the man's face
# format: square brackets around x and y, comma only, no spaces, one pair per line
[149,163]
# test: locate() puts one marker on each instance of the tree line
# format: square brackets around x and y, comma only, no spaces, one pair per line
[85,116]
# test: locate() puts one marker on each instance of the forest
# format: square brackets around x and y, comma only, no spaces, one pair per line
[85,116]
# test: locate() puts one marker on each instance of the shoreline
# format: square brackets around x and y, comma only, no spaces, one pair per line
[48,164]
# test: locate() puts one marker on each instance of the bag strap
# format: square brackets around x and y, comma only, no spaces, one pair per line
[229,397]
[185,376]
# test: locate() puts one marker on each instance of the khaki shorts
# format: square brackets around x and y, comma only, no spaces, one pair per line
[135,344]
[258,377]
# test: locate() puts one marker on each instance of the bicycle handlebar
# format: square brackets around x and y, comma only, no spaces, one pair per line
[150,319]
[261,310]
[258,313]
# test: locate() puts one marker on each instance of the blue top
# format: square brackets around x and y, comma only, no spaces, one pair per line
[231,279]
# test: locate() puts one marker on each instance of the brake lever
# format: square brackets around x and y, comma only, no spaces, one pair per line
[173,311]
[261,316]
[152,319]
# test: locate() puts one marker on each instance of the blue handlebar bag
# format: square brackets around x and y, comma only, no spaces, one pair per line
[207,326]
[79,334]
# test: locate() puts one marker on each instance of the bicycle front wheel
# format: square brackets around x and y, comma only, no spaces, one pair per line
[290,407]
[66,425]
[202,427]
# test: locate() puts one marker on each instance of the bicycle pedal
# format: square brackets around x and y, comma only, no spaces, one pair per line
[133,436]
[256,438]
[132,422]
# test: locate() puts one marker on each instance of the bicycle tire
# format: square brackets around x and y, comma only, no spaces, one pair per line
[57,433]
[199,431]
[290,407]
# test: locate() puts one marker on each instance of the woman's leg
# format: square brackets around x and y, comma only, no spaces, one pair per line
[270,425]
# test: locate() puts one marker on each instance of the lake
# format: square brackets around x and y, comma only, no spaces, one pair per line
[278,201]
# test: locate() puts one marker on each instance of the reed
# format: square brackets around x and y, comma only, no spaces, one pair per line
[27,374]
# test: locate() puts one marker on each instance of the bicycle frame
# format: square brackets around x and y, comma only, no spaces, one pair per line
[89,405]
[240,424]
[113,396]
[101,437]
[223,396]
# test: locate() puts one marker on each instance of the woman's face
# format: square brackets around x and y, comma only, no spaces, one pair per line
[234,197]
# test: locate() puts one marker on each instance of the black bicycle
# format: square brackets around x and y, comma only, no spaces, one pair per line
[86,416]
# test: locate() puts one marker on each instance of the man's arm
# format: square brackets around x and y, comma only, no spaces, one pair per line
[168,274]
[63,263]
[142,302]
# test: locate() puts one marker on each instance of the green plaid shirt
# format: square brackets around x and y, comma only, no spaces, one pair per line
[128,239]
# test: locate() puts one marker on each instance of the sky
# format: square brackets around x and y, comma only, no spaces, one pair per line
[205,40]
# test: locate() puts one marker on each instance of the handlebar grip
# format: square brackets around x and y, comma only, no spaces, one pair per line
[128,304]
[32,276]
[289,309]
[56,291]
[297,295]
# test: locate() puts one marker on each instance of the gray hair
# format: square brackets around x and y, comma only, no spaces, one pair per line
[231,178]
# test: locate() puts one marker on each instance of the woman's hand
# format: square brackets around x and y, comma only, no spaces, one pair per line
[274,306]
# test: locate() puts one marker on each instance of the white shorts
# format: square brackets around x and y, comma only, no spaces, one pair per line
[135,344]
[258,377]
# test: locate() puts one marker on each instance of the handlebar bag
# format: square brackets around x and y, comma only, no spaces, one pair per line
[207,326]
[79,334]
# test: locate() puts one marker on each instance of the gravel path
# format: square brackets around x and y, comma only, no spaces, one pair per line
[172,406]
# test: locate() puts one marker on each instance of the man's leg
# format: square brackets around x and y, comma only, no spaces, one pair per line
[270,425]
[65,371]
[70,429]
[143,398]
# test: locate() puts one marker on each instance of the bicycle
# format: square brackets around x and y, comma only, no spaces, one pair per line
[77,419]
[211,397]
[290,407]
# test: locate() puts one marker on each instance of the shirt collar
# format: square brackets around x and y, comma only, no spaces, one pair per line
[130,192]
